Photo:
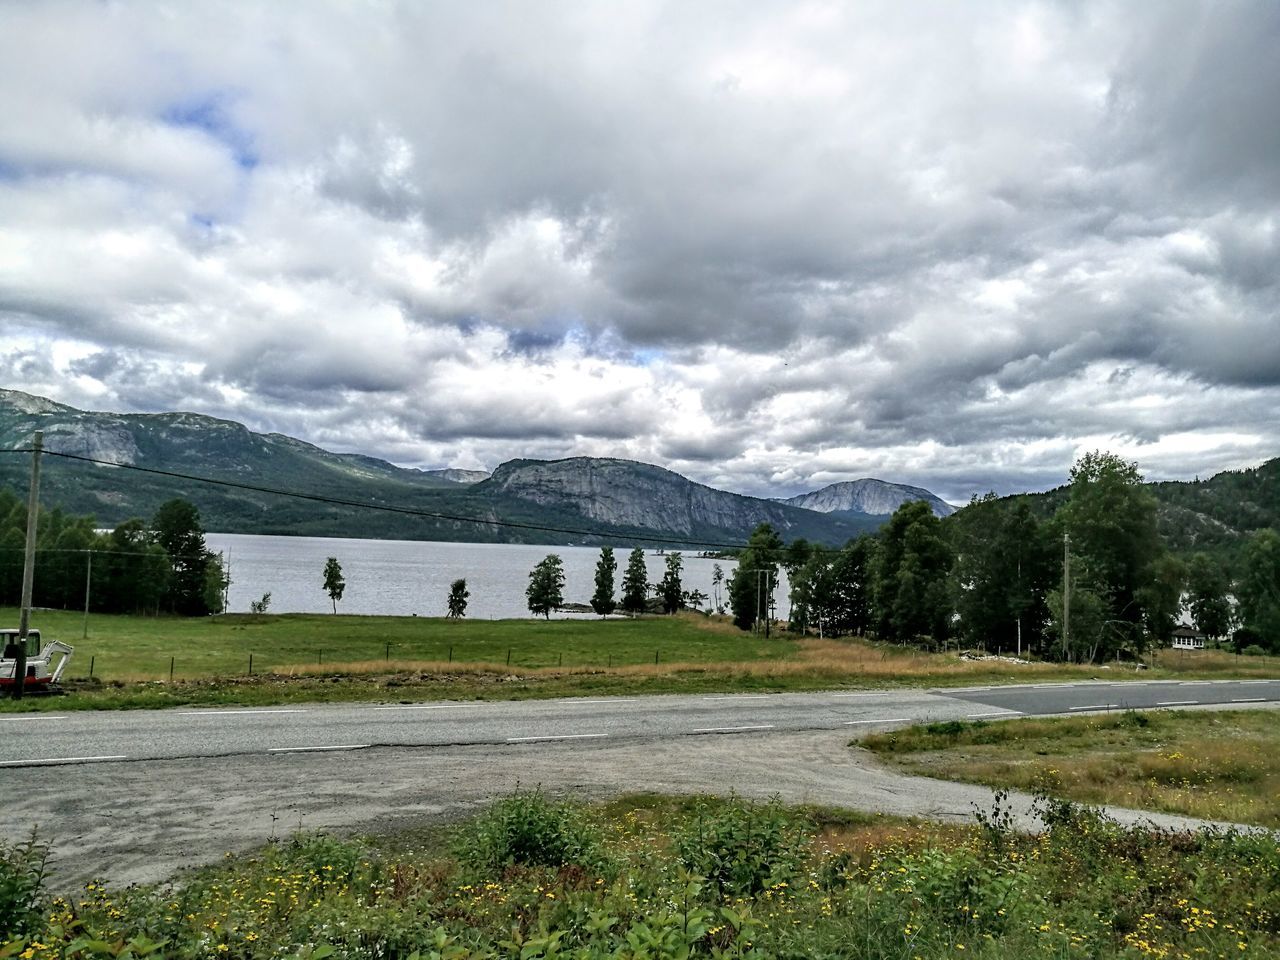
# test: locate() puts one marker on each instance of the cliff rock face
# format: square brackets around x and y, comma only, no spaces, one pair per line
[875,497]
[625,493]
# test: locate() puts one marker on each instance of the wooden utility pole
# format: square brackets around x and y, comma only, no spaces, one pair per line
[1066,596]
[28,567]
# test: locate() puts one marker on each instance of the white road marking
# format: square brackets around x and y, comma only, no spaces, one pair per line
[561,736]
[1256,681]
[1002,713]
[1196,683]
[336,746]
[575,701]
[860,694]
[758,726]
[1176,703]
[1250,700]
[31,763]
[893,720]
[231,713]
[741,696]
[1097,706]
[33,718]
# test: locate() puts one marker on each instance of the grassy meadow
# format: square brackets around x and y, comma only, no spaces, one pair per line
[672,879]
[316,657]
[1218,765]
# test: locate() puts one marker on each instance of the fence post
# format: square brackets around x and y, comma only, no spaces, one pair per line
[508,656]
[171,659]
[321,658]
[92,657]
[388,651]
[562,658]
[655,658]
[451,653]
[251,664]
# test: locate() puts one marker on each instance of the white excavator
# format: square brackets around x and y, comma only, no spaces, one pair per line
[42,673]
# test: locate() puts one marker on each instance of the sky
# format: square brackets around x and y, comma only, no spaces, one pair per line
[769,246]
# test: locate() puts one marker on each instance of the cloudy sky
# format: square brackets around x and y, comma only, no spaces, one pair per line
[767,245]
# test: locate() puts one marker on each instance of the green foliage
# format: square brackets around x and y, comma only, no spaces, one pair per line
[912,593]
[334,584]
[1207,589]
[635,583]
[546,586]
[22,873]
[602,601]
[176,528]
[458,595]
[752,584]
[670,590]
[743,847]
[529,829]
[1258,588]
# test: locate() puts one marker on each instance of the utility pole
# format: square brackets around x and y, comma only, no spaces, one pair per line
[28,567]
[1066,596]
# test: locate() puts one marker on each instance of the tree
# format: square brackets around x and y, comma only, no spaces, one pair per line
[670,589]
[1005,564]
[602,601]
[1161,598]
[635,583]
[176,528]
[216,582]
[1258,588]
[1111,520]
[912,590]
[333,582]
[717,578]
[752,584]
[458,594]
[1207,589]
[546,586]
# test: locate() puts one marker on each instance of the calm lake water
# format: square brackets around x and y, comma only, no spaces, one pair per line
[404,577]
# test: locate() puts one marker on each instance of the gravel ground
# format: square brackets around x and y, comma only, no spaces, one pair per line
[143,822]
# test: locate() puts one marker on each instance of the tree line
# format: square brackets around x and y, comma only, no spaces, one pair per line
[160,566]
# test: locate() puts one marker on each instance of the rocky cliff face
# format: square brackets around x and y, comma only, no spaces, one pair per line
[624,493]
[875,497]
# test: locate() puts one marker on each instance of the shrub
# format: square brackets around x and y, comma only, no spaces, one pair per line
[528,829]
[741,846]
[22,871]
[1253,650]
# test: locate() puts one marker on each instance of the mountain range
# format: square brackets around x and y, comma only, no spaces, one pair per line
[581,499]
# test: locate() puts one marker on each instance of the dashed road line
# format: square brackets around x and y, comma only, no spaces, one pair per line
[427,706]
[741,696]
[1001,713]
[560,736]
[1250,700]
[758,726]
[1176,703]
[859,694]
[1098,706]
[50,760]
[232,713]
[34,718]
[849,723]
[332,746]
[574,701]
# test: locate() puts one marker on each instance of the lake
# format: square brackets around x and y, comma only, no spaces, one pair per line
[405,577]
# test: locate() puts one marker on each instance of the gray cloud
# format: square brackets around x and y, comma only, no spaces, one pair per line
[772,247]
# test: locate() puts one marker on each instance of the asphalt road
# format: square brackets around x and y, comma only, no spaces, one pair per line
[136,796]
[77,738]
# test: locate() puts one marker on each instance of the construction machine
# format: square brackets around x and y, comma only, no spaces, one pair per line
[42,672]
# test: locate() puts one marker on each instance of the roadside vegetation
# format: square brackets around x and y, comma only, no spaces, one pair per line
[322,657]
[1217,765]
[662,878]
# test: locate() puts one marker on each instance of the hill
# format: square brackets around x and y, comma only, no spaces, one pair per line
[615,500]
[868,497]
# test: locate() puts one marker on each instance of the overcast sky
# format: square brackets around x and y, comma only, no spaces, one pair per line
[768,246]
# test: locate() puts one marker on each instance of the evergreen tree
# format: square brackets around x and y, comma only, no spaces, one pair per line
[458,594]
[176,528]
[546,586]
[1258,589]
[670,589]
[602,601]
[334,585]
[1207,589]
[635,583]
[912,589]
[752,584]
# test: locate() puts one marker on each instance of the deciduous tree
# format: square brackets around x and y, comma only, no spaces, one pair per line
[334,585]
[752,584]
[458,595]
[546,586]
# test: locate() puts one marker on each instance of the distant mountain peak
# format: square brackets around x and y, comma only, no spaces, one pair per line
[868,495]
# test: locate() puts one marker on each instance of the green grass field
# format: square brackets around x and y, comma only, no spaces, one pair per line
[1220,765]
[126,661]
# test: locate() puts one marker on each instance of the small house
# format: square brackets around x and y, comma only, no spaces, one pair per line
[1187,638]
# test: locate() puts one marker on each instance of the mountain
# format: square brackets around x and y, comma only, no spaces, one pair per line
[641,496]
[612,500]
[874,497]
